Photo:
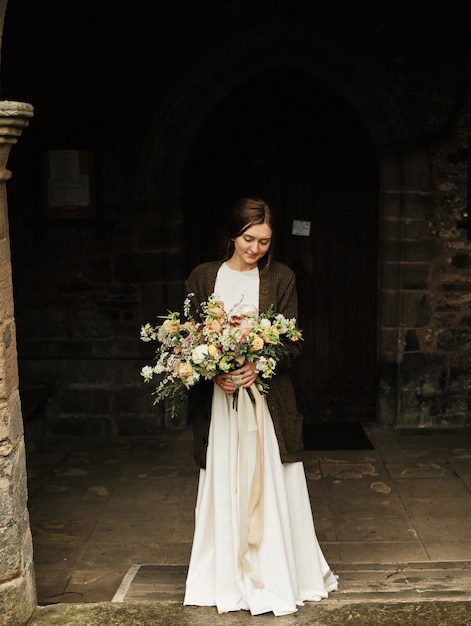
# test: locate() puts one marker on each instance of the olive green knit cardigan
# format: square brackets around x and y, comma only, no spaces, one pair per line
[277,287]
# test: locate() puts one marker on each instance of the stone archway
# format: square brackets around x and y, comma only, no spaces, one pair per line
[403,168]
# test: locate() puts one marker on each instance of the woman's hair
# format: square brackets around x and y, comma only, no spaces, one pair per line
[246,213]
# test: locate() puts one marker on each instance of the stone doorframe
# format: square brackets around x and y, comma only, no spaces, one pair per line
[404,172]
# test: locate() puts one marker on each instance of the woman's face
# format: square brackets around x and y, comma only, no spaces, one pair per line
[251,246]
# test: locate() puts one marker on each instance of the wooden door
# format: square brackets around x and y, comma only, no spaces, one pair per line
[336,268]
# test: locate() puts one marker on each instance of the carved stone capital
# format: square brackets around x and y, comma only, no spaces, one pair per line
[14,117]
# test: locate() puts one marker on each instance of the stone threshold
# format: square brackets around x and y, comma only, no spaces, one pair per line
[358,582]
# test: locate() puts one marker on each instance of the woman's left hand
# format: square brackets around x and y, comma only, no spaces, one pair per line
[248,372]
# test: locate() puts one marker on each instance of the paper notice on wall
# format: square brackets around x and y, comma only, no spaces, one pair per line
[64,163]
[66,184]
[74,190]
[301,228]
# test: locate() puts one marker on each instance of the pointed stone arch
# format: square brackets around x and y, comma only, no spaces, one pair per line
[373,94]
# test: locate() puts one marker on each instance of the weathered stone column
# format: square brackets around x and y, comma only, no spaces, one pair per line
[17,584]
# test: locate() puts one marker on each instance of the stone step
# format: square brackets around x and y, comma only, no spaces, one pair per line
[358,582]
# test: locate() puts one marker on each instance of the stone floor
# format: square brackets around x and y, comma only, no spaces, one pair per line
[110,519]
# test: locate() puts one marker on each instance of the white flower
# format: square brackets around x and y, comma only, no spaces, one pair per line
[200,354]
[266,366]
[192,380]
[147,372]
[160,368]
[265,323]
[187,305]
[148,333]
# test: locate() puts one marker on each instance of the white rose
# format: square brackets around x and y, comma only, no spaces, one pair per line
[265,324]
[199,354]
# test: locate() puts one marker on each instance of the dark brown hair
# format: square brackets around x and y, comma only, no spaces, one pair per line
[246,213]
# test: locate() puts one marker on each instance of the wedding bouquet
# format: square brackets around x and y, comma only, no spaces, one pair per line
[218,343]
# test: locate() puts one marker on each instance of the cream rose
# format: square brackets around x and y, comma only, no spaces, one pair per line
[199,354]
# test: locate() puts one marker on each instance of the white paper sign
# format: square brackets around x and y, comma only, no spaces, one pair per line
[301,228]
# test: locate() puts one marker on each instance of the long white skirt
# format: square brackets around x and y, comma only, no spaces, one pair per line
[287,567]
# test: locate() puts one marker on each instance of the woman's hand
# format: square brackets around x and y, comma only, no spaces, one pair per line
[248,373]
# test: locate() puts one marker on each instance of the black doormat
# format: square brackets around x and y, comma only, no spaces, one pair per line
[336,436]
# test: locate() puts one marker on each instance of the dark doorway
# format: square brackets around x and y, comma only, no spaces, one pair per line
[291,140]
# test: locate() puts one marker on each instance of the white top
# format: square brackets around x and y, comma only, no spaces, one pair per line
[238,290]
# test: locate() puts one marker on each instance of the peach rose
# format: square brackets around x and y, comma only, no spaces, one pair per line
[171,326]
[257,343]
[216,310]
[296,336]
[273,331]
[214,326]
[185,370]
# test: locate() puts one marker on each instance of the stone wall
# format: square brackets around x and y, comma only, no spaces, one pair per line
[435,366]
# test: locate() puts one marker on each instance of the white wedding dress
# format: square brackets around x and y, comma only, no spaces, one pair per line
[287,566]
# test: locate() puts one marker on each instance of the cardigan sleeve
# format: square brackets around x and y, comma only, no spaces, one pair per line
[287,304]
[201,283]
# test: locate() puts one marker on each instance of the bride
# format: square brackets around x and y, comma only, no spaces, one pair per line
[254,546]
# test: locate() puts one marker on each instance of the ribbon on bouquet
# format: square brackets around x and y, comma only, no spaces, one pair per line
[249,419]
